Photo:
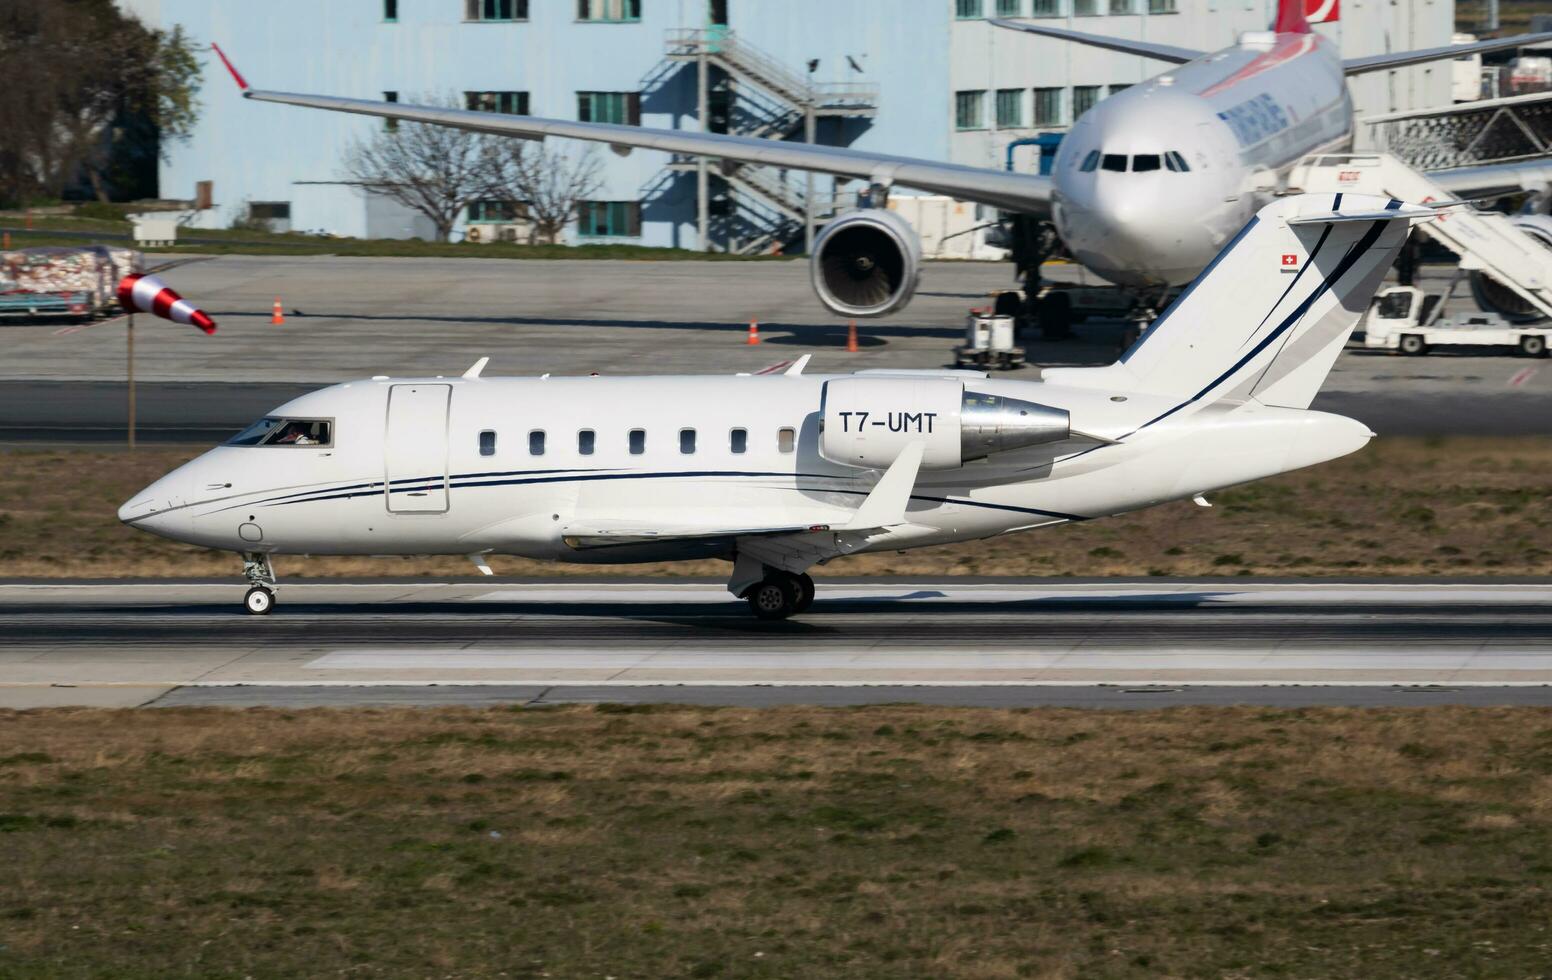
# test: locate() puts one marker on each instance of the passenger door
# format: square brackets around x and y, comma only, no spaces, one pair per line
[415,450]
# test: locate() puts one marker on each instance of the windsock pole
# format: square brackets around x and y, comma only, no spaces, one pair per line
[129,332]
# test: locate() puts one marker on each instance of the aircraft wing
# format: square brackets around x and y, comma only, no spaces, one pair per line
[1148,49]
[1027,193]
[1381,62]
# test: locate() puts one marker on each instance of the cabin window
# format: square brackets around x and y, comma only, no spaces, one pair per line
[1090,162]
[738,441]
[786,440]
[1115,162]
[686,441]
[638,441]
[585,442]
[286,432]
[1145,161]
[488,442]
[536,442]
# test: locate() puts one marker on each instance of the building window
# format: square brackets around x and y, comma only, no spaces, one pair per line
[1085,8]
[967,9]
[511,103]
[609,11]
[786,440]
[686,441]
[969,110]
[609,219]
[1009,8]
[391,11]
[1084,98]
[1118,89]
[1120,7]
[1010,108]
[638,441]
[269,210]
[623,108]
[1048,107]
[488,442]
[536,442]
[1046,8]
[495,10]
[392,125]
[497,211]
[585,441]
[1162,7]
[738,441]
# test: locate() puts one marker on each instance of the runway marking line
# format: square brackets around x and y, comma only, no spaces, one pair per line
[1118,683]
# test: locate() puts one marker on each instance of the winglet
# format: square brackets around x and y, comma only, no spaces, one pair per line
[798,365]
[241,82]
[479,365]
[885,505]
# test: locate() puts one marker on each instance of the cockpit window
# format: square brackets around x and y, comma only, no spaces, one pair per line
[1176,162]
[285,432]
[1145,161]
[1090,162]
[1115,161]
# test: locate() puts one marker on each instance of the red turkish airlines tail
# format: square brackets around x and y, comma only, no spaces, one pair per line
[1296,16]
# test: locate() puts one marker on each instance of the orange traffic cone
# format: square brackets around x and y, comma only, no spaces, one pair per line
[276,316]
[851,336]
[7,245]
[754,332]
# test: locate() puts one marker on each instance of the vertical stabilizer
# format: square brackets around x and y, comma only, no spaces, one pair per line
[1268,317]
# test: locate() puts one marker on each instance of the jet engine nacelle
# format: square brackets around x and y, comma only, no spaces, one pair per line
[866,263]
[1494,296]
[868,421]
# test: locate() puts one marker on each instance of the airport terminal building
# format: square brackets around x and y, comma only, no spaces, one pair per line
[925,78]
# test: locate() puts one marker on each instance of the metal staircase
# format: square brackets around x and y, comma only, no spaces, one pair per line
[765,99]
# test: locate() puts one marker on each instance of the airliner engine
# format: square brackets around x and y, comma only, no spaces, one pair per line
[1495,296]
[866,263]
[868,421]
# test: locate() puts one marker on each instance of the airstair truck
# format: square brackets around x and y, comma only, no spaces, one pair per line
[1405,319]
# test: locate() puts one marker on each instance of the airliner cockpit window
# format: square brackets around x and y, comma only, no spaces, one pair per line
[1090,162]
[285,432]
[1145,161]
[1176,162]
[1115,161]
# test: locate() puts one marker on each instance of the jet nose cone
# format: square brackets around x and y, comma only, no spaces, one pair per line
[159,508]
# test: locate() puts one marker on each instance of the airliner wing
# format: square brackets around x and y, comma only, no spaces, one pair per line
[1159,52]
[1381,62]
[1026,193]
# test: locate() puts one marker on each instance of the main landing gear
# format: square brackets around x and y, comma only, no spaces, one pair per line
[780,594]
[260,598]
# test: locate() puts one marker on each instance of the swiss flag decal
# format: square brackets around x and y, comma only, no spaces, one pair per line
[1289,259]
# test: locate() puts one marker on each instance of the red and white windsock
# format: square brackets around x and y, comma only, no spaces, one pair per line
[149,294]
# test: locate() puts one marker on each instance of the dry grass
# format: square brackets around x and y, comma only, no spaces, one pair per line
[794,842]
[1399,507]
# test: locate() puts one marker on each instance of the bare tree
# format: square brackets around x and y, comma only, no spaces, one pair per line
[547,184]
[435,170]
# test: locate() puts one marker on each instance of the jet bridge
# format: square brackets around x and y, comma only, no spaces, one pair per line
[1490,244]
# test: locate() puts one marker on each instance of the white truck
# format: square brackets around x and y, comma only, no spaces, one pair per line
[1405,319]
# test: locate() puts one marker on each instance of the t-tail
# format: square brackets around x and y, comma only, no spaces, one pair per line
[1266,320]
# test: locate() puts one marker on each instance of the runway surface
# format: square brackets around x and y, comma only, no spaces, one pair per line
[1008,642]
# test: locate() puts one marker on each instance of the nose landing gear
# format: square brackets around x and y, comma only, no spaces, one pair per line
[260,598]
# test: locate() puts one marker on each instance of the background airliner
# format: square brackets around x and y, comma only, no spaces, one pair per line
[780,473]
[1146,187]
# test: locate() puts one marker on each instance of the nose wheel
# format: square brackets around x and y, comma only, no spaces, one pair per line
[260,597]
[259,601]
[780,594]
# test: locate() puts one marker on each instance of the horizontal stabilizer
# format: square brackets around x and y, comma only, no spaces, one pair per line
[1395,212]
[1147,49]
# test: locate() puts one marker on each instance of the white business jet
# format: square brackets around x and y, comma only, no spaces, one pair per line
[779,473]
[1145,189]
